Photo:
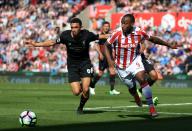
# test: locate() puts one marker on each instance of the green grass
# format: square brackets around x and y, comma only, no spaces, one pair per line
[55,107]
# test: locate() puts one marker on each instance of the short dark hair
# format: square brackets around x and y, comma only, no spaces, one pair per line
[105,22]
[131,16]
[76,20]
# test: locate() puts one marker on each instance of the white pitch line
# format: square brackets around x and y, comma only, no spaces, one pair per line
[116,107]
[166,113]
[175,113]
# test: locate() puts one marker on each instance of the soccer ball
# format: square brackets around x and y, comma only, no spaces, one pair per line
[28,118]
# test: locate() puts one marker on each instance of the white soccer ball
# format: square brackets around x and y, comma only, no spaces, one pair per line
[28,118]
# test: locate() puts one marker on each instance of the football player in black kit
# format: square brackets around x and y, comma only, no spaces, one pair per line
[103,64]
[79,66]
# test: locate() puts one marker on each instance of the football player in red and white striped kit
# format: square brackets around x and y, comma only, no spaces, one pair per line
[128,62]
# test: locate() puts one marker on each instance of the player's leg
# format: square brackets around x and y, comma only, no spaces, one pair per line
[86,72]
[96,77]
[94,80]
[85,93]
[74,80]
[149,68]
[129,80]
[137,69]
[112,83]
[151,74]
[147,92]
[153,77]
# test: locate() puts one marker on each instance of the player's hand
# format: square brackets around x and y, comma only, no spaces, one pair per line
[30,43]
[175,45]
[112,69]
[104,36]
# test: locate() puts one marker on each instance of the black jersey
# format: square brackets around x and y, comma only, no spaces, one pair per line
[102,41]
[77,48]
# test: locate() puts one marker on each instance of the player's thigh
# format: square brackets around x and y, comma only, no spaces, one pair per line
[74,80]
[140,77]
[153,75]
[86,70]
[137,69]
[136,66]
[126,77]
[86,73]
[73,74]
[148,65]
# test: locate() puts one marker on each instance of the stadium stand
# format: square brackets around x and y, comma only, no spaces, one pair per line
[44,19]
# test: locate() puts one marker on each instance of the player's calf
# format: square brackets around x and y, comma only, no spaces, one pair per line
[134,93]
[83,100]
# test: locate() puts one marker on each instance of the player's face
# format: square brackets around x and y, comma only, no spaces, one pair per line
[127,25]
[106,28]
[75,29]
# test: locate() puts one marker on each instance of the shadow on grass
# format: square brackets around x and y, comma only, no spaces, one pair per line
[160,124]
[141,116]
[143,101]
[92,112]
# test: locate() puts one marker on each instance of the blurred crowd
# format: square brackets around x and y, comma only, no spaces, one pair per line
[154,6]
[37,20]
[45,19]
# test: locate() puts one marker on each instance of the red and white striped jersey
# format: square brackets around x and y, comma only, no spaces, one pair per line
[126,48]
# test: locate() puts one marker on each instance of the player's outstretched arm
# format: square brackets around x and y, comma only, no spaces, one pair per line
[40,44]
[107,55]
[159,41]
[104,36]
[99,52]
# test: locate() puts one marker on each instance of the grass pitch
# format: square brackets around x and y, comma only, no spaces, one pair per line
[55,107]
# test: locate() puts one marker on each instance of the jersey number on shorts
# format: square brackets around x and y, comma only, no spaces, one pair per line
[89,71]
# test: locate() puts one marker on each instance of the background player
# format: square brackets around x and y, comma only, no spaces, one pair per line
[103,63]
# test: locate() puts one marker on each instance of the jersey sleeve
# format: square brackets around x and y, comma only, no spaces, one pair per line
[113,37]
[145,36]
[61,38]
[93,37]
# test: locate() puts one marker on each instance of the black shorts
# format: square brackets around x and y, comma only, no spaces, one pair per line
[78,71]
[103,64]
[147,65]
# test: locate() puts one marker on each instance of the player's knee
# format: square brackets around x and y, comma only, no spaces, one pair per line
[76,92]
[129,83]
[153,75]
[133,90]
[142,80]
[85,90]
